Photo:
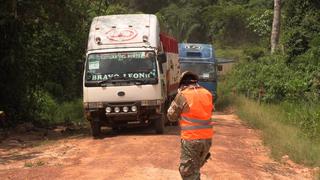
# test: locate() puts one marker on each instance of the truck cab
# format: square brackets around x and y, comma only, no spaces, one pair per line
[200,59]
[131,72]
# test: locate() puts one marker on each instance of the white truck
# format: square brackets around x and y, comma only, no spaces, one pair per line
[131,72]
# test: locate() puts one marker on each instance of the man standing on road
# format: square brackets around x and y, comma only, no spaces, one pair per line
[192,107]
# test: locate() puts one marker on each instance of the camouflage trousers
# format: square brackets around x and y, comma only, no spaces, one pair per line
[194,154]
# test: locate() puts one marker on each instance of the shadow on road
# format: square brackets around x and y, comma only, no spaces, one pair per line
[40,137]
[33,138]
[138,131]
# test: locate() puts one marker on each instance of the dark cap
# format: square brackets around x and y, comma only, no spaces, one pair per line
[187,78]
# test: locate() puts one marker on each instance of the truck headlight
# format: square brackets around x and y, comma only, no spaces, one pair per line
[125,109]
[116,109]
[134,108]
[108,109]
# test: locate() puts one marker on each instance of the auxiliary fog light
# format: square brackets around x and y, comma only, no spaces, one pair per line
[116,109]
[108,109]
[134,108]
[125,109]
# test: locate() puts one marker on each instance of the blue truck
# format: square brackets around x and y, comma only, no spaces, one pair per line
[200,59]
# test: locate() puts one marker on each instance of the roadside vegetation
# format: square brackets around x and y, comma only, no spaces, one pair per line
[279,93]
[51,112]
[288,129]
[279,132]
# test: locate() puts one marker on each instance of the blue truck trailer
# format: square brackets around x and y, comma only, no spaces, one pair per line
[200,59]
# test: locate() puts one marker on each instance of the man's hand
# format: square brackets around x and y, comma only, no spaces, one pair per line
[212,122]
[173,115]
[178,105]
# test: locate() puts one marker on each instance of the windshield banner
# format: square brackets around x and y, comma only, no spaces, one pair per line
[121,56]
[136,75]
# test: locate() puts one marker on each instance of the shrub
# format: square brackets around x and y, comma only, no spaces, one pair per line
[49,112]
[277,79]
[45,108]
[254,53]
[70,112]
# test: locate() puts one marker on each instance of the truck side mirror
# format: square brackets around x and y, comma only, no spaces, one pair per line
[162,58]
[220,67]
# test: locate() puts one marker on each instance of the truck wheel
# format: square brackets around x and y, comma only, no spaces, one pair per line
[95,127]
[159,124]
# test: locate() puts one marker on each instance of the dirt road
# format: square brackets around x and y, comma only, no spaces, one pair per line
[139,154]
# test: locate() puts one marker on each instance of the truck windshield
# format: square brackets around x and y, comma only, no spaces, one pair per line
[205,71]
[121,66]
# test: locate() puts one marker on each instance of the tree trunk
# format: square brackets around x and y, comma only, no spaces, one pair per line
[275,34]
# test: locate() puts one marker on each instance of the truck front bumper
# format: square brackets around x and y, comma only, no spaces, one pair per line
[125,114]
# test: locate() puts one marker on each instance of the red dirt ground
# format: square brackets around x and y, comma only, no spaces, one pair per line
[140,154]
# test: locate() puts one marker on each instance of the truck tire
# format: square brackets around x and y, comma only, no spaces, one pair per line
[159,124]
[95,127]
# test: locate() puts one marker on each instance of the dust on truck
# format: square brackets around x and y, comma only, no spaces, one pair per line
[131,72]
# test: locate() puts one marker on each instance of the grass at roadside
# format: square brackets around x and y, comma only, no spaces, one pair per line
[283,138]
[71,112]
[284,126]
[224,95]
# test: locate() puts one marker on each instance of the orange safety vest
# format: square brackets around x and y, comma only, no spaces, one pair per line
[196,123]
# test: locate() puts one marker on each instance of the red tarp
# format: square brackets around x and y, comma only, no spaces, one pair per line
[169,43]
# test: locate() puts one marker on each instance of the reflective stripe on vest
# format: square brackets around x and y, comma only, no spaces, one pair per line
[196,127]
[205,124]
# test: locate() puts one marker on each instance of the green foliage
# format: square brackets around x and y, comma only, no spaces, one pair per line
[116,9]
[45,107]
[227,25]
[224,95]
[99,8]
[229,53]
[295,42]
[253,53]
[179,21]
[301,25]
[261,23]
[289,82]
[232,2]
[260,4]
[276,79]
[291,76]
[53,49]
[49,112]
[70,112]
[42,48]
